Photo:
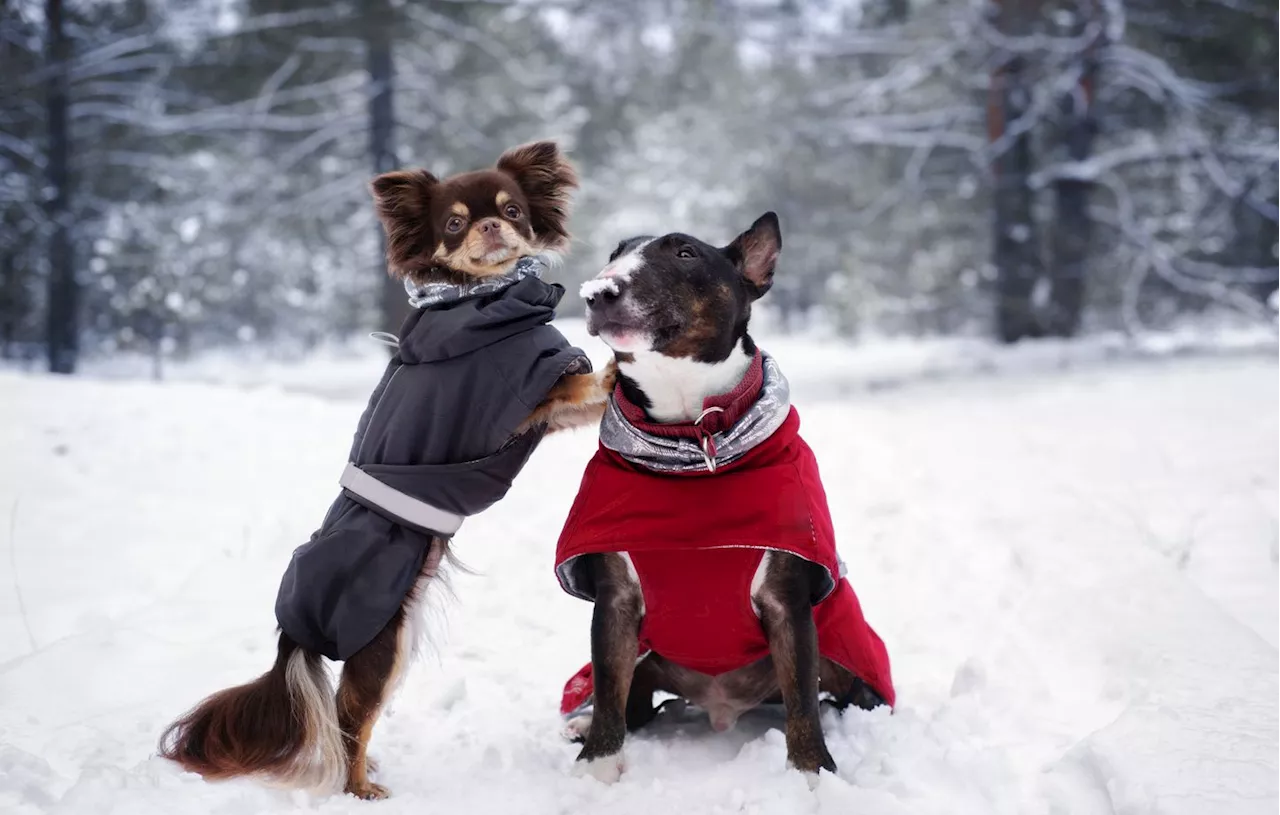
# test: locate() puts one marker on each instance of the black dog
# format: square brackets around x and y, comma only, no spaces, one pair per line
[701,530]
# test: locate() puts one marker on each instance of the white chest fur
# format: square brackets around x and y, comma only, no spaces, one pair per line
[677,386]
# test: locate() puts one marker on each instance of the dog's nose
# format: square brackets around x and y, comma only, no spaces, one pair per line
[490,226]
[602,292]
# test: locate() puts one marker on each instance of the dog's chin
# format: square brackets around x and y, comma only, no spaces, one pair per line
[625,339]
[494,262]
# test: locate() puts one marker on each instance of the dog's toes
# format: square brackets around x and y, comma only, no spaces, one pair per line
[812,779]
[369,791]
[605,769]
[575,729]
[812,762]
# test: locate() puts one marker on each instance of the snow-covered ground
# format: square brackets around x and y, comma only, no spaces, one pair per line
[1075,572]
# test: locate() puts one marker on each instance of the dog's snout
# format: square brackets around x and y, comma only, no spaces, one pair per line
[602,292]
[490,226]
[603,297]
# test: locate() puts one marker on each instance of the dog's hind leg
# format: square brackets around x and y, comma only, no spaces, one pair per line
[368,678]
[371,675]
[646,680]
[846,689]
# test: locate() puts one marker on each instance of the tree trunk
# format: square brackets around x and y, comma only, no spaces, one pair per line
[1071,225]
[63,305]
[10,288]
[377,19]
[1016,248]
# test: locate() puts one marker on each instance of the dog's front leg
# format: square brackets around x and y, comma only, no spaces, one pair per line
[575,400]
[786,612]
[615,631]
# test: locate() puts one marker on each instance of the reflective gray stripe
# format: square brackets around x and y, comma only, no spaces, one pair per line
[402,506]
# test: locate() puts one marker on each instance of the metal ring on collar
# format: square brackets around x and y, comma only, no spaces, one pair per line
[707,412]
[710,459]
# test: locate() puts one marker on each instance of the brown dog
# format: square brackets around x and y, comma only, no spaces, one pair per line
[477,379]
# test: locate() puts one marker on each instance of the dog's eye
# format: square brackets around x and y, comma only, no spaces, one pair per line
[686,253]
[454,224]
[512,211]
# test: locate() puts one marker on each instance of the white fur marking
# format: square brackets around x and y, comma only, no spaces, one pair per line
[635,578]
[577,727]
[496,256]
[618,271]
[757,580]
[606,769]
[428,613]
[622,268]
[322,766]
[677,386]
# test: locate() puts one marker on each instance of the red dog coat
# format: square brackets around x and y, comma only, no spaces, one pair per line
[697,539]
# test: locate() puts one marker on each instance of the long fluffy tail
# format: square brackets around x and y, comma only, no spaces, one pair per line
[282,726]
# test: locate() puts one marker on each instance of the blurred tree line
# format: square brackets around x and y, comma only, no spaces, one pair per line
[176,174]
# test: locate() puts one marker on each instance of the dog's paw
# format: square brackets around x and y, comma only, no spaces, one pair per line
[609,378]
[605,769]
[369,791]
[812,764]
[576,729]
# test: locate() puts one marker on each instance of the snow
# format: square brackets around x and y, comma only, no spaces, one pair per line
[597,286]
[1070,551]
[816,364]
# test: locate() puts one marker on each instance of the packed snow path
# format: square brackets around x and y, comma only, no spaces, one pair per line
[1075,574]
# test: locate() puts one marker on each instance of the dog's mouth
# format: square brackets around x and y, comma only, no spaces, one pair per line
[622,335]
[496,252]
[626,340]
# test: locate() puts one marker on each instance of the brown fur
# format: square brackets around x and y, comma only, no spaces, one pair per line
[704,322]
[525,196]
[262,729]
[254,728]
[402,200]
[521,207]
[546,179]
[288,726]
[367,680]
[575,401]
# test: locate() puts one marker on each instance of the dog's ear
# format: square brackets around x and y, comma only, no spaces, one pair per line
[547,179]
[403,203]
[755,253]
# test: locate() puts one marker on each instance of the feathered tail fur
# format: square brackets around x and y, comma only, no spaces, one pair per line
[282,726]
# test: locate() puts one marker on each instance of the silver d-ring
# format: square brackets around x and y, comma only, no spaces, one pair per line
[704,414]
[710,459]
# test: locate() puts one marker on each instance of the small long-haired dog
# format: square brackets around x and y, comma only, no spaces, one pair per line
[701,530]
[477,379]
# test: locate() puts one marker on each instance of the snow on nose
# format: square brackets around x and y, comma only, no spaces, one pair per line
[599,285]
